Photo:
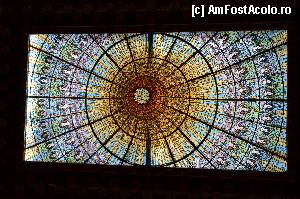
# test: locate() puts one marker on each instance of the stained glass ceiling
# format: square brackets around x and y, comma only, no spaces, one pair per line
[211,100]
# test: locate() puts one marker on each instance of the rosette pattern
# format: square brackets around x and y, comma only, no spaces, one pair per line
[214,100]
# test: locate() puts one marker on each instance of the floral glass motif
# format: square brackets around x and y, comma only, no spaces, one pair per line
[211,100]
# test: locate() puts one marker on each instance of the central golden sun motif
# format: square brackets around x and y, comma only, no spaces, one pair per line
[142,96]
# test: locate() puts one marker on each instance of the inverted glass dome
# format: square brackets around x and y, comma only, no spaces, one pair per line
[211,100]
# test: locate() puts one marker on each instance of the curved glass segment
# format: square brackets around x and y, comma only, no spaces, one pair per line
[211,100]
